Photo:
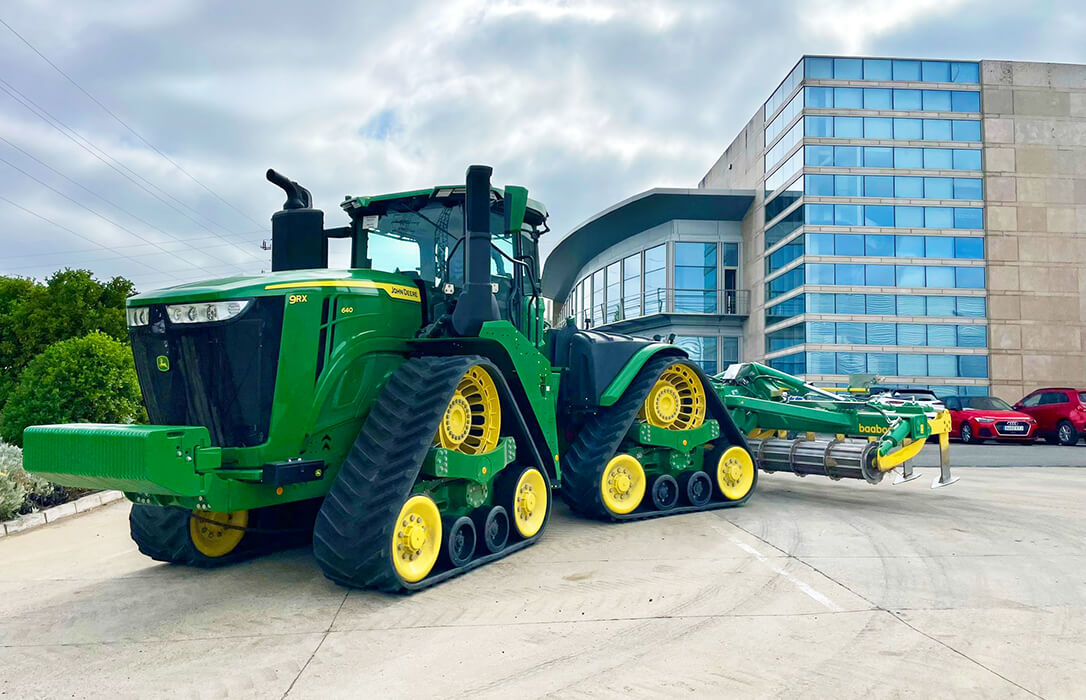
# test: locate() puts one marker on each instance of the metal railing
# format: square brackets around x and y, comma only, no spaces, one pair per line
[719,302]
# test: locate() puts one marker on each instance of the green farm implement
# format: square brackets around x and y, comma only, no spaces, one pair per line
[413,415]
[792,426]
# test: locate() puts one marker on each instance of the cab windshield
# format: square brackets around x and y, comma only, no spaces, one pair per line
[986,403]
[427,240]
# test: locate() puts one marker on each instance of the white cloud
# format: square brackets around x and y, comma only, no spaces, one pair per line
[585,103]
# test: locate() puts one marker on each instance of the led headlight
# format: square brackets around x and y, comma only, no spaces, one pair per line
[206,312]
[986,420]
[138,315]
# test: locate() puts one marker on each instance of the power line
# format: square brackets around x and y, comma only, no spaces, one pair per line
[80,235]
[96,194]
[112,162]
[95,213]
[126,126]
[130,245]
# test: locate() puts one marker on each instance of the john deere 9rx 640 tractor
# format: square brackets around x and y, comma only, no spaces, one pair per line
[411,414]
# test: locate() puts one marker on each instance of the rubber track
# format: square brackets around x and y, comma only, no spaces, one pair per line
[602,435]
[162,533]
[353,534]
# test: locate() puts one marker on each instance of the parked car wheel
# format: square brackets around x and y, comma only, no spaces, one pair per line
[967,435]
[1066,433]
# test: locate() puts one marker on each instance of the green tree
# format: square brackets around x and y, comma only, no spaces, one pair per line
[71,304]
[80,380]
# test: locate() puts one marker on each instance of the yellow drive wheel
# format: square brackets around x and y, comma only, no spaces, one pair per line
[735,473]
[676,401]
[472,419]
[530,502]
[622,484]
[216,534]
[416,538]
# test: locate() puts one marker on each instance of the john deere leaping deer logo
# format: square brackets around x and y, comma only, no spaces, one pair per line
[163,363]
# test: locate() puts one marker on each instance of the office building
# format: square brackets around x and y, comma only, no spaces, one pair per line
[922,220]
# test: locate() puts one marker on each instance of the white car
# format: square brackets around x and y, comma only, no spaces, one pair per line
[926,398]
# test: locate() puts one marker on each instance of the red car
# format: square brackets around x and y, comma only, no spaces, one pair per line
[1060,414]
[978,418]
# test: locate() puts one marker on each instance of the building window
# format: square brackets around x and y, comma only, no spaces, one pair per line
[614,292]
[729,351]
[631,286]
[695,277]
[701,349]
[599,291]
[656,279]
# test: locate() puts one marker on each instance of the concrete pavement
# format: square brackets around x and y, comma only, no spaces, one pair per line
[813,588]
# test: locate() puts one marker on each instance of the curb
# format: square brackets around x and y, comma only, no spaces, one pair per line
[64,510]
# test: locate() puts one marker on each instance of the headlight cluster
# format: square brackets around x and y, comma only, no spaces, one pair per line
[986,420]
[206,312]
[138,315]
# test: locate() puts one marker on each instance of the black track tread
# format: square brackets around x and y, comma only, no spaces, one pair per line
[162,533]
[351,540]
[602,435]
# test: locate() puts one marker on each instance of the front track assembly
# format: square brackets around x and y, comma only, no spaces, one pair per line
[365,520]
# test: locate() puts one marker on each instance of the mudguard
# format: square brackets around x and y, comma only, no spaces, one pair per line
[599,366]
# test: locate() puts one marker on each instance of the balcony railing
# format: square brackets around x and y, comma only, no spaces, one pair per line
[719,302]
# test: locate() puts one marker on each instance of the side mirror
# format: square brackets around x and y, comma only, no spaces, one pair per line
[516,205]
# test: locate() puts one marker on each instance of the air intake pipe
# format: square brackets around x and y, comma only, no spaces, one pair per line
[476,304]
[298,237]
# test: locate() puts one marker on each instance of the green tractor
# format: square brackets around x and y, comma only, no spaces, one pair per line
[412,415]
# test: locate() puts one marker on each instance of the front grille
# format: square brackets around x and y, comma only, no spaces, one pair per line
[218,375]
[1007,427]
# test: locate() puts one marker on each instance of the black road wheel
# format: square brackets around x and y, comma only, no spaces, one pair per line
[664,492]
[696,487]
[460,540]
[494,524]
[1066,433]
[967,435]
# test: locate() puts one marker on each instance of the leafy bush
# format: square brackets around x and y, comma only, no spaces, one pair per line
[71,304]
[18,489]
[82,380]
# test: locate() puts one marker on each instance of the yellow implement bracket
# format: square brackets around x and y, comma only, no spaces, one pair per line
[903,454]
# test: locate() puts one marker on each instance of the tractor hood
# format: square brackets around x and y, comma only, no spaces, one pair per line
[278,283]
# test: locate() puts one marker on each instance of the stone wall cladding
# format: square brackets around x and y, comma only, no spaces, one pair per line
[1034,122]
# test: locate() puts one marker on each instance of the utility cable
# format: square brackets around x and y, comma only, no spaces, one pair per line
[101,197]
[86,238]
[52,121]
[95,213]
[120,121]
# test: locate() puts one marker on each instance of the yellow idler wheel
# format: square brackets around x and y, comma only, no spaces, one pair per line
[416,538]
[216,534]
[530,502]
[472,420]
[676,401]
[734,473]
[622,484]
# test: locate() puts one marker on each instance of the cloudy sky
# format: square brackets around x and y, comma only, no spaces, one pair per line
[585,103]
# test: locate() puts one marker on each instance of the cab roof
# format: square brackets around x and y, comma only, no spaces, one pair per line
[536,214]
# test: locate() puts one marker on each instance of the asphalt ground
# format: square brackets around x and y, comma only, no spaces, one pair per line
[814,588]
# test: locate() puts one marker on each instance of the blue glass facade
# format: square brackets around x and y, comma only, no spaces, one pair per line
[902,185]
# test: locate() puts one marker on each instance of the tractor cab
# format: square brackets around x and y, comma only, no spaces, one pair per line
[422,234]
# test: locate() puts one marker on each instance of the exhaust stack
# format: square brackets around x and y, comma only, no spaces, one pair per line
[298,237]
[476,304]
